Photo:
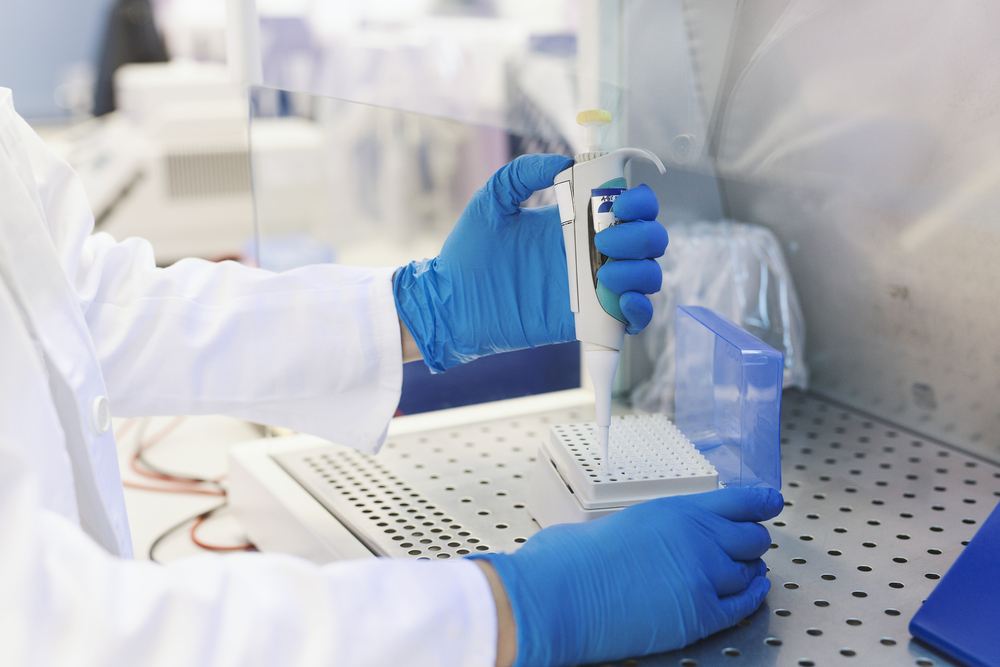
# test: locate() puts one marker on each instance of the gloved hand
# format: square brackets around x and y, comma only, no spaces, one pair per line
[634,246]
[500,281]
[650,578]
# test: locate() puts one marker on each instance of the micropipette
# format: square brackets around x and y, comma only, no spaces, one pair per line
[585,193]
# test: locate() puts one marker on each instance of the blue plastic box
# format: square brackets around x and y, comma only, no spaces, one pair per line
[728,397]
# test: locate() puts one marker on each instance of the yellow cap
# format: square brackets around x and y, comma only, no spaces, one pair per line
[593,116]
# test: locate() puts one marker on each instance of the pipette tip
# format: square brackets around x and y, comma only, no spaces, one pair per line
[602,440]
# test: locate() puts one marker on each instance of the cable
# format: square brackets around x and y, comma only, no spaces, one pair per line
[173,529]
[215,547]
[198,519]
[141,466]
[175,483]
[168,489]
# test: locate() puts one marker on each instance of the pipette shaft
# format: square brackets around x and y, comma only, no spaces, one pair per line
[602,363]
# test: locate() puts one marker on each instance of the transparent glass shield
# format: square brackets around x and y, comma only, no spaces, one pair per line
[512,65]
[359,184]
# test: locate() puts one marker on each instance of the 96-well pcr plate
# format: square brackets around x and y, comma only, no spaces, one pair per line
[649,458]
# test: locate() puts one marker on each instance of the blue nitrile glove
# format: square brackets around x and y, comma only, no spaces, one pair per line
[635,247]
[500,281]
[650,578]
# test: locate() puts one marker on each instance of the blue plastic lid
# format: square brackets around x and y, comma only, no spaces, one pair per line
[728,397]
[960,617]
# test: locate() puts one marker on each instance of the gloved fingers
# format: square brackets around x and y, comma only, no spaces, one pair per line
[740,605]
[631,275]
[637,309]
[638,203]
[636,240]
[518,180]
[731,577]
[741,540]
[756,503]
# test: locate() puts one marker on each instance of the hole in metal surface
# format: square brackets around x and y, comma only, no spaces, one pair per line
[773,641]
[892,612]
[821,603]
[731,652]
[782,612]
[854,621]
[814,632]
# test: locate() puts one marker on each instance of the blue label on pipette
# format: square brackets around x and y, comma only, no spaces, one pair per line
[601,201]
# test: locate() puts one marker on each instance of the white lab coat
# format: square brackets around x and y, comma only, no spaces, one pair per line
[317,349]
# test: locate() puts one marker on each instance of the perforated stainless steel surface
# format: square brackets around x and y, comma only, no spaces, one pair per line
[874,515]
[438,494]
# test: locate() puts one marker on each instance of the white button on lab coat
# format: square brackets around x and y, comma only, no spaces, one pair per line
[88,325]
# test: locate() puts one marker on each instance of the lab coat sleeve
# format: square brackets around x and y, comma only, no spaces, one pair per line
[66,601]
[316,349]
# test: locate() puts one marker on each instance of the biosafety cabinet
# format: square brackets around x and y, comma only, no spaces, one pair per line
[863,136]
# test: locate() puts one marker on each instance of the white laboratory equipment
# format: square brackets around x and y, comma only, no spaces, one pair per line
[726,434]
[572,480]
[600,326]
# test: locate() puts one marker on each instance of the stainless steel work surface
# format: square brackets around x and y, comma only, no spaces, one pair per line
[434,494]
[874,515]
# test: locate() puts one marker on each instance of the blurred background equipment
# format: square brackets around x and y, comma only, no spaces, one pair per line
[130,37]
